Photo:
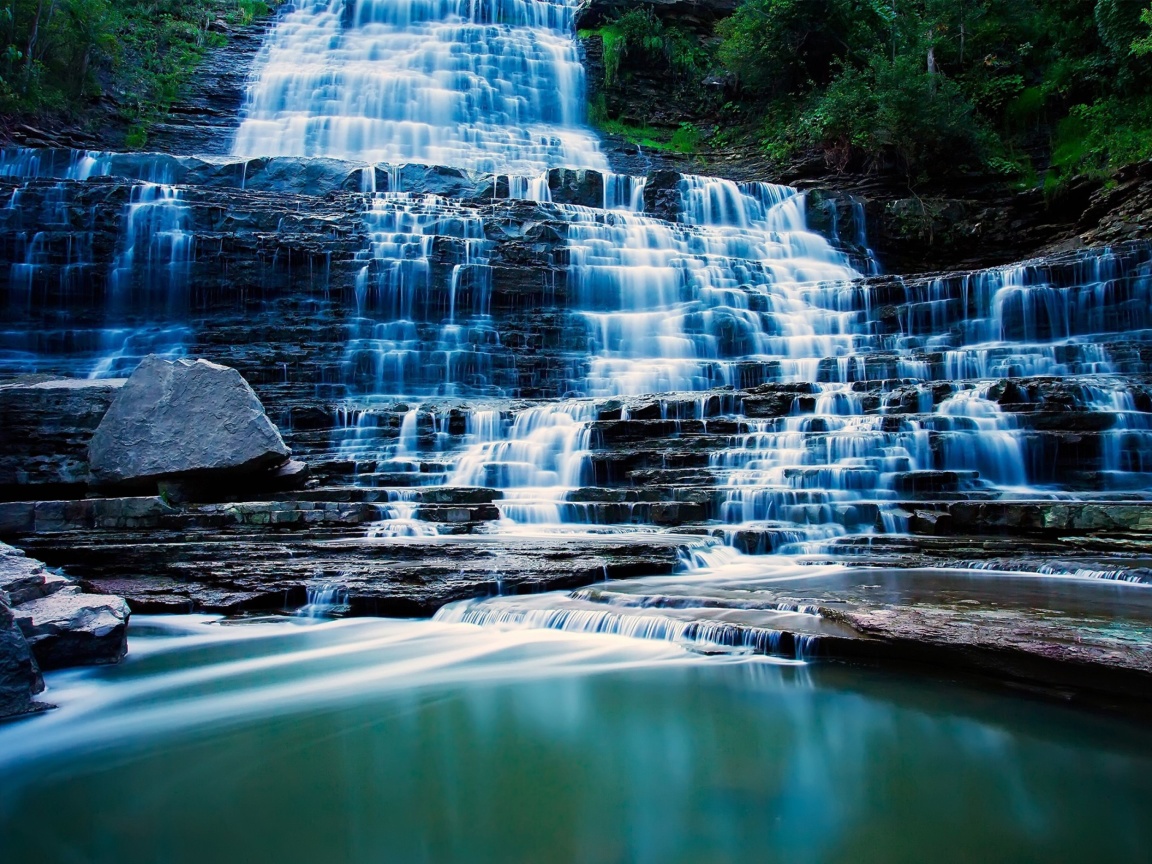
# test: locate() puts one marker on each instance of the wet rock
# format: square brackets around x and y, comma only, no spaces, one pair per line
[246,567]
[70,628]
[569,186]
[280,174]
[429,180]
[62,625]
[47,517]
[1024,518]
[20,677]
[25,579]
[662,196]
[183,420]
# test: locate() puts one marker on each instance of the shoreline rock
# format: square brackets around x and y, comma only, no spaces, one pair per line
[20,678]
[59,624]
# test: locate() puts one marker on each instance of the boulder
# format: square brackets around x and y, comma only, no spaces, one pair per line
[184,420]
[69,628]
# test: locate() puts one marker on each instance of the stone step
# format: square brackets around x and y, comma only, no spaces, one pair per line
[206,570]
[383,494]
[1046,518]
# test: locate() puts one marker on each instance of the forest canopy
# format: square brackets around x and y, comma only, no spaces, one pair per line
[1008,87]
[59,55]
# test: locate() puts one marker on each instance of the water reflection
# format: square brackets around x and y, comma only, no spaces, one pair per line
[419,741]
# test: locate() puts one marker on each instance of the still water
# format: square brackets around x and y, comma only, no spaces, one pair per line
[409,741]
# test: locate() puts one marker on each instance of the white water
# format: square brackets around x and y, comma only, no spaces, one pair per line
[737,292]
[490,85]
[148,281]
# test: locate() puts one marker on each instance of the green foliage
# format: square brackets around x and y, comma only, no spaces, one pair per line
[642,37]
[686,139]
[57,54]
[1109,133]
[1143,44]
[940,86]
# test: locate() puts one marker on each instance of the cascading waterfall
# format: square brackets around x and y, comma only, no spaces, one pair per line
[885,388]
[490,85]
[148,278]
[406,337]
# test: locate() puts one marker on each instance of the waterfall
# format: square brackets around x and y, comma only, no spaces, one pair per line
[145,288]
[619,351]
[490,85]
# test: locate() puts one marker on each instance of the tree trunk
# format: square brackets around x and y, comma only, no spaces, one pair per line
[32,37]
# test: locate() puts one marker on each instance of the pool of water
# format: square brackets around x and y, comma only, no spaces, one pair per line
[410,741]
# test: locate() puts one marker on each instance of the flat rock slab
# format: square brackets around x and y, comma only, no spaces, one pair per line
[1086,637]
[222,572]
[183,420]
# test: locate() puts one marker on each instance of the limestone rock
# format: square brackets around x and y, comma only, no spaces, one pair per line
[185,420]
[68,628]
[63,626]
[44,433]
[24,579]
[19,675]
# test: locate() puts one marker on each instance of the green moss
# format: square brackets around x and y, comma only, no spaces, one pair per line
[137,137]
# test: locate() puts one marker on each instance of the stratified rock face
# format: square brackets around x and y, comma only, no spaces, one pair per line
[68,628]
[183,419]
[45,433]
[19,676]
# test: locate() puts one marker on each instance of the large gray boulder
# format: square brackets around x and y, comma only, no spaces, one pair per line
[185,421]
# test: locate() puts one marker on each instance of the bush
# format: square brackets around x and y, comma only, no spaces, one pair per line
[641,36]
[892,107]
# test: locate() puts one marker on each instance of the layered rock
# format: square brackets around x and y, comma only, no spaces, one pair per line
[62,625]
[70,628]
[20,677]
[45,434]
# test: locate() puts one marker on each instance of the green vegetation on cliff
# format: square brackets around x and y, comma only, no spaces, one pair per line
[62,55]
[1014,88]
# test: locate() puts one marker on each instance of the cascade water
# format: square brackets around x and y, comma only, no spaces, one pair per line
[886,387]
[490,85]
[145,287]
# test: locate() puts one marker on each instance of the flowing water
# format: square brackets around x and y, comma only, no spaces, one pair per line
[492,85]
[370,740]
